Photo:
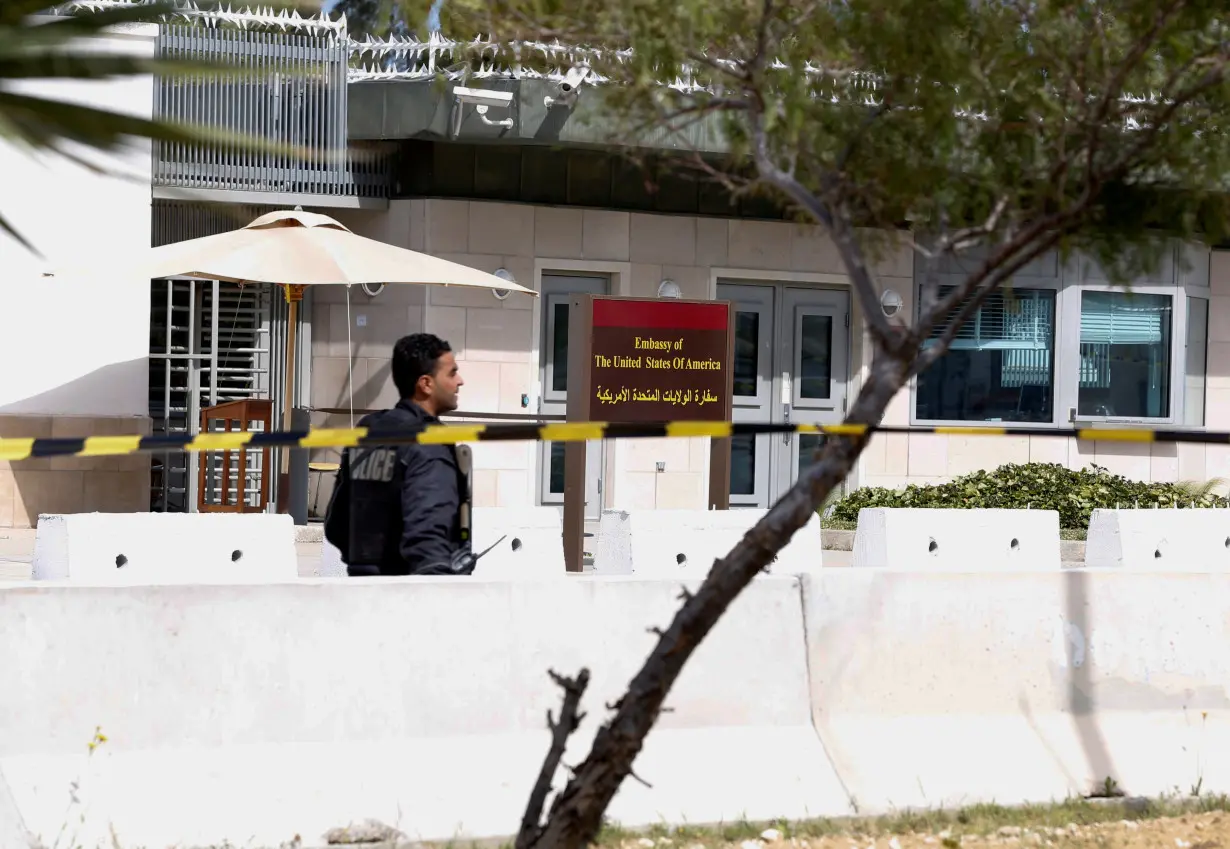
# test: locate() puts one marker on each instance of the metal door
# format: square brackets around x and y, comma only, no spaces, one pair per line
[791,365]
[556,291]
[814,342]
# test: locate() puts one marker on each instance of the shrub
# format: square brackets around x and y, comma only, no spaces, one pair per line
[1040,486]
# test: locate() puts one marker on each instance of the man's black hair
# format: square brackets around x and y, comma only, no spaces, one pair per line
[415,356]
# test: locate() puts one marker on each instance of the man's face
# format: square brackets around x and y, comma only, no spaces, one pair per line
[445,383]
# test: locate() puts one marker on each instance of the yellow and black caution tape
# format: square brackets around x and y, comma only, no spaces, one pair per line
[111,446]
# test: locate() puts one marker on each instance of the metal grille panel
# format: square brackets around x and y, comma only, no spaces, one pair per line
[294,94]
[209,343]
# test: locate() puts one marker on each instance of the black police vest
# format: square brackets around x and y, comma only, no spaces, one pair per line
[377,474]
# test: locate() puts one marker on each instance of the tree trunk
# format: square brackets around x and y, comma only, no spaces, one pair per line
[577,812]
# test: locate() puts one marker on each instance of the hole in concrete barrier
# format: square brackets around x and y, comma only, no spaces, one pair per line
[516,544]
[681,558]
[1227,542]
[235,555]
[120,561]
[1157,554]
[933,546]
[1015,544]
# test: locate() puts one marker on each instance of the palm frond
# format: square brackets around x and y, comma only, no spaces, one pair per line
[1200,489]
[84,23]
[16,11]
[6,227]
[41,121]
[67,64]
[36,46]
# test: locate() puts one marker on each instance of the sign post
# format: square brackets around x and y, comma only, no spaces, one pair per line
[644,360]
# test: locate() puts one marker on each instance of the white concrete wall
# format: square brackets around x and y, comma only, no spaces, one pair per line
[78,347]
[905,538]
[948,689]
[297,708]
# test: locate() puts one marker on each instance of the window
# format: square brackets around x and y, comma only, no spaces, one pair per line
[1124,355]
[1065,345]
[1000,368]
[1197,345]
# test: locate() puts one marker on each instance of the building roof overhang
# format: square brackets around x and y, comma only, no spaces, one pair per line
[396,109]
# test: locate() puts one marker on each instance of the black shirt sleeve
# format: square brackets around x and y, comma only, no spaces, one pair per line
[429,506]
[337,516]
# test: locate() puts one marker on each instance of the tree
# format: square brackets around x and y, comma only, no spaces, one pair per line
[380,18]
[1002,130]
[57,50]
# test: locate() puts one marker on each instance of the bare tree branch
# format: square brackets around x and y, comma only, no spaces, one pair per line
[972,295]
[576,814]
[969,237]
[882,332]
[561,730]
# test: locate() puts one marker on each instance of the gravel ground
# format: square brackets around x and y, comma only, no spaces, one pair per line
[1192,831]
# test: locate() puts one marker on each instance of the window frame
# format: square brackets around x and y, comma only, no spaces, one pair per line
[1022,282]
[1192,294]
[1069,284]
[1070,353]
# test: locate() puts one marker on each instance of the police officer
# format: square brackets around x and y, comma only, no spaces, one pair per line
[397,509]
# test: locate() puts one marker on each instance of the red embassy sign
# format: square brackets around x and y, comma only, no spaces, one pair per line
[653,361]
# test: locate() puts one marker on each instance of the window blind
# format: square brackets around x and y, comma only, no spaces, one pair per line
[1022,321]
[1115,318]
[1020,325]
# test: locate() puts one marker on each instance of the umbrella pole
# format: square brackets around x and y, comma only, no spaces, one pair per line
[294,294]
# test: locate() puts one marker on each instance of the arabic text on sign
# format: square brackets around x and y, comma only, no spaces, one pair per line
[678,397]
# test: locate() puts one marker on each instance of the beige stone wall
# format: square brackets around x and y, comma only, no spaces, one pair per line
[71,484]
[498,341]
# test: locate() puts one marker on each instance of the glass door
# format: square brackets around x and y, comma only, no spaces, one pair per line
[753,390]
[791,365]
[556,292]
[814,353]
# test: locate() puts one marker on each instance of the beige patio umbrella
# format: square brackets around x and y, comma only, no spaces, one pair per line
[294,249]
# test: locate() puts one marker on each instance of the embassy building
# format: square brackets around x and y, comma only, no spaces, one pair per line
[517,182]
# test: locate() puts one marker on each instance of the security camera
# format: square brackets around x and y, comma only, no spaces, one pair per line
[567,88]
[482,96]
[481,99]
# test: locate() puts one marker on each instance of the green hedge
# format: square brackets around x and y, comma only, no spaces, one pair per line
[1039,486]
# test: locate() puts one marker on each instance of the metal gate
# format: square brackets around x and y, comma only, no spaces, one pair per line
[210,342]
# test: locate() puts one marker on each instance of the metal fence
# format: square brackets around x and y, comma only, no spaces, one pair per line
[210,342]
[292,92]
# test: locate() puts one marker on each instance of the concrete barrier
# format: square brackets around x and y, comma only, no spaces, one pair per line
[13,834]
[255,713]
[532,544]
[162,548]
[1166,539]
[952,688]
[899,538]
[669,543]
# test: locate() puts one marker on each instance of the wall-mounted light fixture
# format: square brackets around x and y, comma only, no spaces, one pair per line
[890,302]
[669,289]
[503,274]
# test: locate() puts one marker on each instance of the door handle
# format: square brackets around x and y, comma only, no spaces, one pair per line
[786,419]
